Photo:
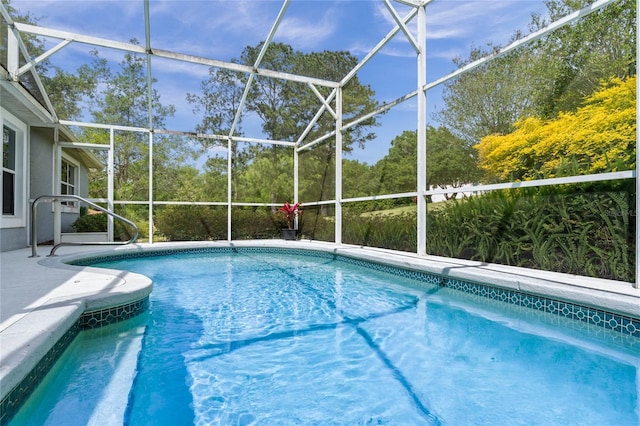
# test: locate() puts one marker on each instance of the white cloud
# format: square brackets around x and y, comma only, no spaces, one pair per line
[486,20]
[304,32]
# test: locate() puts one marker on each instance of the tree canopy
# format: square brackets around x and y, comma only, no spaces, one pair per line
[542,78]
[66,89]
[598,137]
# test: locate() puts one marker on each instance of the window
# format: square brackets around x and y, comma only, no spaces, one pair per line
[68,184]
[8,171]
[14,168]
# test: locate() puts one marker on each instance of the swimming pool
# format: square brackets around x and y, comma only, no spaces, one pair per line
[252,337]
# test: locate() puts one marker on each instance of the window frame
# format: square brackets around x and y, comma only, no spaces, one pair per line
[70,206]
[19,217]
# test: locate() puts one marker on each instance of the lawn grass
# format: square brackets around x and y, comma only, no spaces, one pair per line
[405,209]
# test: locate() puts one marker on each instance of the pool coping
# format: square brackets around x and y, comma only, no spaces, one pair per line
[45,303]
[28,338]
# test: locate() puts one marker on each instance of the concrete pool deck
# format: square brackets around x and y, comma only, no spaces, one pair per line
[41,298]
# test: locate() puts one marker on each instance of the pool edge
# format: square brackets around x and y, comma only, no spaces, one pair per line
[619,298]
[31,342]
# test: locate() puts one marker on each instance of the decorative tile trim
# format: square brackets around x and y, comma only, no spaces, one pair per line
[11,403]
[108,316]
[16,397]
[423,277]
[588,316]
[89,261]
[610,321]
[623,324]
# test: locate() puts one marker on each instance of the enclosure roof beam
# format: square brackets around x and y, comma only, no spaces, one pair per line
[104,126]
[263,141]
[383,108]
[316,117]
[323,100]
[357,68]
[317,141]
[351,74]
[44,56]
[175,132]
[377,48]
[402,26]
[134,48]
[566,20]
[414,3]
[13,26]
[263,51]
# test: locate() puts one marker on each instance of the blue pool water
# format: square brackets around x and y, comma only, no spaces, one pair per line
[267,339]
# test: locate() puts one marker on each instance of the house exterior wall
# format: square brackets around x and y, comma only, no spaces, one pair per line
[13,226]
[41,182]
[41,179]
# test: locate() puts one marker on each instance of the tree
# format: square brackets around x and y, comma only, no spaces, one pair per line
[598,137]
[544,77]
[66,90]
[358,179]
[450,162]
[285,108]
[218,102]
[124,101]
[575,59]
[490,98]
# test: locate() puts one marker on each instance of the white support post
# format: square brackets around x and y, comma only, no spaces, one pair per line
[296,182]
[147,31]
[150,187]
[57,170]
[636,284]
[110,186]
[338,219]
[229,189]
[422,134]
[13,56]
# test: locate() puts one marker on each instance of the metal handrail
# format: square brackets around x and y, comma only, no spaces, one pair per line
[54,198]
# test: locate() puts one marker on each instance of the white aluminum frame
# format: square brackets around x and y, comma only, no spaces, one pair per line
[331,104]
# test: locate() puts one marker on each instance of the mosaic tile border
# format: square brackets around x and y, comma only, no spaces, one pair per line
[89,261]
[11,403]
[96,319]
[610,321]
[18,395]
[600,318]
[564,311]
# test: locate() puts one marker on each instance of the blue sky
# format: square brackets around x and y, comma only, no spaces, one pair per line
[221,30]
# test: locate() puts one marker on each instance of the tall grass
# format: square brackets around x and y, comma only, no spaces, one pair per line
[584,230]
[585,233]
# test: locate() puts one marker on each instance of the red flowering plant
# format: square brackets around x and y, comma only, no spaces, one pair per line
[290,212]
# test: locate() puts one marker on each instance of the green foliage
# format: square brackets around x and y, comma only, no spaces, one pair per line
[255,223]
[573,60]
[66,90]
[397,232]
[98,223]
[490,98]
[598,137]
[124,101]
[90,223]
[450,162]
[543,78]
[587,232]
[263,173]
[208,223]
[191,223]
